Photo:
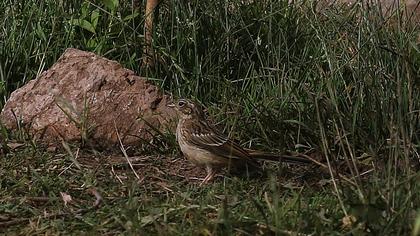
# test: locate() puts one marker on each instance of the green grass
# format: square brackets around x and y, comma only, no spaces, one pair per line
[230,205]
[341,83]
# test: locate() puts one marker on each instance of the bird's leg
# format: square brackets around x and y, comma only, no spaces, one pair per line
[210,175]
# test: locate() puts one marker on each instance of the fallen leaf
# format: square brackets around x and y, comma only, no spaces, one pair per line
[14,146]
[97,195]
[66,198]
[348,221]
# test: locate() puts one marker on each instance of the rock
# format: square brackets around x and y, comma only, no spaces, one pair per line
[84,97]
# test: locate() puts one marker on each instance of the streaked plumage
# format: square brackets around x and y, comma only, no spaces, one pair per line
[204,145]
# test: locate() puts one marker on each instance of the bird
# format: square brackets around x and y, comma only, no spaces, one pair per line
[203,145]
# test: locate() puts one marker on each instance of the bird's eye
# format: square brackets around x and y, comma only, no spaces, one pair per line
[181,103]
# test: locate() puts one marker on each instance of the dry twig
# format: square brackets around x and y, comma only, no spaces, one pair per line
[124,152]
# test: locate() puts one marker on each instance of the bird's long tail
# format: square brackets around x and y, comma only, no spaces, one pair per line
[277,157]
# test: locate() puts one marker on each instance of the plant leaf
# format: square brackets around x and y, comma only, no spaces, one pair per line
[94,17]
[83,24]
[111,4]
[131,16]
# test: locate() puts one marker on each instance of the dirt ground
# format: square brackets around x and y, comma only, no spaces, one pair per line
[162,170]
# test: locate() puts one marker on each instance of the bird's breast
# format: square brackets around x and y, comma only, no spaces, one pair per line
[194,153]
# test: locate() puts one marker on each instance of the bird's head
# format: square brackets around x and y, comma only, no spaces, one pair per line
[188,109]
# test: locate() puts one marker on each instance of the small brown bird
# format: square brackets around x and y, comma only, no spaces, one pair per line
[204,145]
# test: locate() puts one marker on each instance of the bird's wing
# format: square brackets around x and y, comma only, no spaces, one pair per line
[209,138]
